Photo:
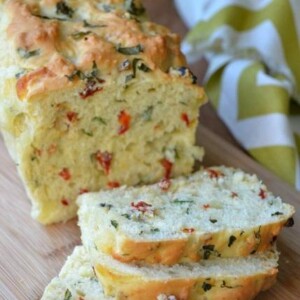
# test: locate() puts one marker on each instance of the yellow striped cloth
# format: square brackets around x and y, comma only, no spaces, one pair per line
[253,79]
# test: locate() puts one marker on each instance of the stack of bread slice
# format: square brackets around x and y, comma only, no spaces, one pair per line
[209,236]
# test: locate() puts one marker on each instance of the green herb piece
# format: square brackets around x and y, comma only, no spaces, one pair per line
[80,35]
[109,206]
[147,114]
[127,216]
[74,74]
[224,285]
[131,7]
[206,286]
[20,74]
[114,223]
[88,25]
[208,250]
[130,50]
[63,9]
[88,133]
[231,240]
[95,71]
[100,120]
[68,295]
[154,230]
[177,201]
[213,221]
[242,232]
[144,68]
[277,213]
[183,103]
[27,54]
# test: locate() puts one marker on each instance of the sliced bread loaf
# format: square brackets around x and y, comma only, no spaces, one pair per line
[216,279]
[216,212]
[92,97]
[225,279]
[76,280]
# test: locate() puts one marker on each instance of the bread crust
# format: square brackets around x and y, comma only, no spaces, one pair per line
[123,286]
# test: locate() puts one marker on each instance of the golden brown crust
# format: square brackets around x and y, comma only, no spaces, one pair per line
[123,286]
[193,248]
[53,44]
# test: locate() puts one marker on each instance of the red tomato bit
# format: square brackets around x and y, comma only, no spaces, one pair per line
[83,191]
[72,116]
[188,230]
[168,168]
[104,159]
[65,202]
[164,184]
[113,184]
[91,88]
[65,174]
[124,121]
[234,195]
[214,173]
[141,206]
[206,206]
[262,194]
[185,119]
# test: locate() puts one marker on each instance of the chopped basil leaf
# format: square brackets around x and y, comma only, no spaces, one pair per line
[27,54]
[114,223]
[80,35]
[224,285]
[242,232]
[213,220]
[68,295]
[147,114]
[177,201]
[144,68]
[131,7]
[109,206]
[206,286]
[127,216]
[209,247]
[76,73]
[154,230]
[130,50]
[88,133]
[86,24]
[63,9]
[231,240]
[100,120]
[277,213]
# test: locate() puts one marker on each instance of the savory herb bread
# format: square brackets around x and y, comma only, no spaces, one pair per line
[220,278]
[91,97]
[76,280]
[216,212]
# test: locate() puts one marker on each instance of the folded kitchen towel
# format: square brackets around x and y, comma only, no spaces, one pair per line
[253,78]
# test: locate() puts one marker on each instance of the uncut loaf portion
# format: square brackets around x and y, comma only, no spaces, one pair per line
[218,279]
[216,212]
[92,97]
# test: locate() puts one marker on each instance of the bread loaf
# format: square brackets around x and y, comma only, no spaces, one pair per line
[92,96]
[216,212]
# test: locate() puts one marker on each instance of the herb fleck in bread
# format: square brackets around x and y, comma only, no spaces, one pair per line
[220,278]
[216,212]
[92,97]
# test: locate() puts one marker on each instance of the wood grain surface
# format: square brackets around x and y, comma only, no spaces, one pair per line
[31,254]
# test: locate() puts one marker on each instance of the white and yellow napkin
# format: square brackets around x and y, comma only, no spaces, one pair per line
[253,78]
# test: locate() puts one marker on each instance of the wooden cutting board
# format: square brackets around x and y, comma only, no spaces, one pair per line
[31,254]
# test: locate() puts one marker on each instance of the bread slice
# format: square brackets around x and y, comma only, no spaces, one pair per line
[216,279]
[91,97]
[216,212]
[76,280]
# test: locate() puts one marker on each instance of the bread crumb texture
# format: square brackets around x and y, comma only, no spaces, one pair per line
[216,212]
[92,96]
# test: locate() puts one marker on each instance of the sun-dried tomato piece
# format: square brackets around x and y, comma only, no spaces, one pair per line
[113,184]
[65,174]
[104,159]
[141,206]
[124,121]
[185,118]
